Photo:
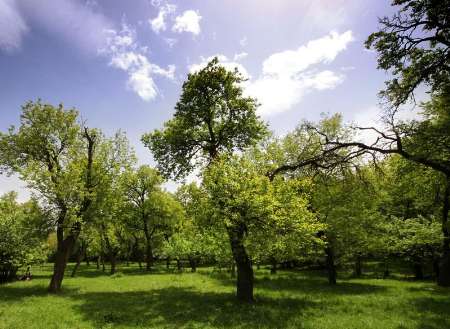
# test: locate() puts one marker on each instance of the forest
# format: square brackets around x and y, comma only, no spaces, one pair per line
[322,227]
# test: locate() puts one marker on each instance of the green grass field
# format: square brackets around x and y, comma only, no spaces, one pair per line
[135,299]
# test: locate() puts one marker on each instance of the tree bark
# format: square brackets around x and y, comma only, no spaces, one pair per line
[112,260]
[98,262]
[358,265]
[63,252]
[193,264]
[77,264]
[418,270]
[331,267]
[148,255]
[273,269]
[444,263]
[244,282]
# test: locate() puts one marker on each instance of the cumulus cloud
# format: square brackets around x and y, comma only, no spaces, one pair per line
[287,76]
[126,55]
[224,61]
[12,26]
[158,24]
[189,21]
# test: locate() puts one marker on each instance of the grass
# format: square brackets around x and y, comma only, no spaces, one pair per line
[134,299]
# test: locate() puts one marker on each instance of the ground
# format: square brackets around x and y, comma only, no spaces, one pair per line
[135,299]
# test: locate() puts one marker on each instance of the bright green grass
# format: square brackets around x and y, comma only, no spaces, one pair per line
[134,299]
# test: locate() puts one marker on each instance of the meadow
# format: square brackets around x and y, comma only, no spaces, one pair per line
[164,298]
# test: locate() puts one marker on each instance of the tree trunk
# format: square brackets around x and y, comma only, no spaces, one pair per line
[244,283]
[98,262]
[331,267]
[103,263]
[148,255]
[87,260]
[63,252]
[273,269]
[77,264]
[444,263]
[193,264]
[418,270]
[112,260]
[358,265]
[386,271]
[233,270]
[179,265]
[168,263]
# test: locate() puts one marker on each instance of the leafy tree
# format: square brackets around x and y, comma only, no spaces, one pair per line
[212,117]
[414,45]
[256,209]
[154,211]
[60,160]
[22,239]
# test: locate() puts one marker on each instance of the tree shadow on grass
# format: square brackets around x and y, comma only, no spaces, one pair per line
[308,284]
[17,292]
[176,307]
[433,312]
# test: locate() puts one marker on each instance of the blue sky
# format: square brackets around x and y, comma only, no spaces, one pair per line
[122,63]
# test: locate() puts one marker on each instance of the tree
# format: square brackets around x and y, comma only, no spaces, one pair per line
[257,209]
[60,160]
[414,45]
[22,235]
[155,211]
[212,117]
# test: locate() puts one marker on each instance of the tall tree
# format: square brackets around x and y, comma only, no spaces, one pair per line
[212,117]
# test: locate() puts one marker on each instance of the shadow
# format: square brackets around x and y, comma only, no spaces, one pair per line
[181,307]
[301,282]
[433,313]
[15,293]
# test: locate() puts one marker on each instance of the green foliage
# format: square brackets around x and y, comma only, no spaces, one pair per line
[413,45]
[211,117]
[22,240]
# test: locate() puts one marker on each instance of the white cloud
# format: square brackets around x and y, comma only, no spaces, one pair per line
[158,24]
[243,42]
[238,57]
[189,21]
[12,26]
[14,183]
[224,61]
[323,50]
[287,76]
[126,55]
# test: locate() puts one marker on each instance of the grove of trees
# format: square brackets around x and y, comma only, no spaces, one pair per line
[317,197]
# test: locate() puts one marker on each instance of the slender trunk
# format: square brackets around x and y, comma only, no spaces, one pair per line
[179,265]
[193,264]
[112,260]
[168,263]
[358,265]
[140,264]
[444,263]
[331,267]
[386,271]
[418,270]
[77,264]
[87,261]
[103,263]
[244,283]
[98,262]
[436,267]
[148,255]
[273,269]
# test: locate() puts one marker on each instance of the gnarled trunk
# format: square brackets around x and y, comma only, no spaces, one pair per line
[62,256]
[244,283]
[78,261]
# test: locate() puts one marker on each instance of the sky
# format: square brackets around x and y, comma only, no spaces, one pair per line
[122,63]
